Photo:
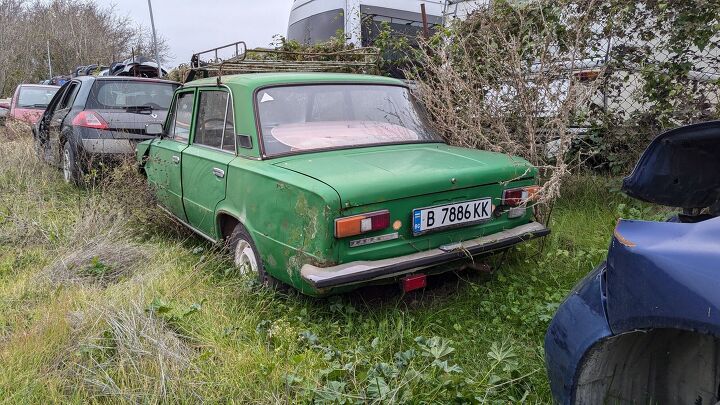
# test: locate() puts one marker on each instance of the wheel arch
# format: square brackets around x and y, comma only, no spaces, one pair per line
[651,364]
[225,224]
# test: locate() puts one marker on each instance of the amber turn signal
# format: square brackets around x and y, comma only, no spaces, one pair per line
[359,224]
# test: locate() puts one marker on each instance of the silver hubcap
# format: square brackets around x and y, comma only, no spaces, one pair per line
[67,173]
[245,259]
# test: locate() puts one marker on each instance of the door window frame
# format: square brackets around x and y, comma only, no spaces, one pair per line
[170,119]
[69,95]
[229,109]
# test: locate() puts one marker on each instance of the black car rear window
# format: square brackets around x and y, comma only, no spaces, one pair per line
[119,94]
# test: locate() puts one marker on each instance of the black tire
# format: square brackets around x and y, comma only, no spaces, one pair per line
[240,244]
[69,164]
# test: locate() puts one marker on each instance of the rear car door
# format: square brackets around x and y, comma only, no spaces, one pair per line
[163,166]
[205,161]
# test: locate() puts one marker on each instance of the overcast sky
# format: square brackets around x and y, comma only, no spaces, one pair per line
[192,26]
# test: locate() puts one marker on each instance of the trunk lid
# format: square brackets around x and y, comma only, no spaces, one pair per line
[131,122]
[372,175]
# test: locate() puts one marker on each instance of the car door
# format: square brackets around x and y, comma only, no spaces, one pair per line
[163,166]
[57,119]
[205,161]
[42,129]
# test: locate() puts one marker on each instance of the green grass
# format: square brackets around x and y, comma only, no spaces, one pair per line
[179,325]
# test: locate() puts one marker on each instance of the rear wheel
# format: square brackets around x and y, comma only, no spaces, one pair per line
[71,172]
[247,258]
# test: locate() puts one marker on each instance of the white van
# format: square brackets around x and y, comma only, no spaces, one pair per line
[315,21]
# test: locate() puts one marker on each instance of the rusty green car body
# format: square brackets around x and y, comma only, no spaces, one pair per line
[327,175]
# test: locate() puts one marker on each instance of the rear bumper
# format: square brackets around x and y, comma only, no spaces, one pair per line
[364,271]
[108,146]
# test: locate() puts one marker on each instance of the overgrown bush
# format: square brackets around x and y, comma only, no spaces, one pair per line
[503,81]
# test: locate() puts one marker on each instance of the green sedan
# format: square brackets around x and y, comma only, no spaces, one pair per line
[327,182]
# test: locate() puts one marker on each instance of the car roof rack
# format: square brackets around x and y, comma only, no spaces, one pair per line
[261,60]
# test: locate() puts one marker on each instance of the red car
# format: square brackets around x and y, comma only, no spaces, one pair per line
[30,101]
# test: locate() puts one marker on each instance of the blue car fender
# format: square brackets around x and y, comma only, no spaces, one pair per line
[578,325]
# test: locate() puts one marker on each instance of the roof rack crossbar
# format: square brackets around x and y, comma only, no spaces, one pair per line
[261,60]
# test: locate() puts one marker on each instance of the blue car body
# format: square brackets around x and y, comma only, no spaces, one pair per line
[644,326]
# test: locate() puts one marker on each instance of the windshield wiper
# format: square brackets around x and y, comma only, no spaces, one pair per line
[40,105]
[138,108]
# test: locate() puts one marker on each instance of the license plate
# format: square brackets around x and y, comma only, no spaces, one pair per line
[451,215]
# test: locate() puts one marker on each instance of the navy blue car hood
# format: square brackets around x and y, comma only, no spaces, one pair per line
[680,168]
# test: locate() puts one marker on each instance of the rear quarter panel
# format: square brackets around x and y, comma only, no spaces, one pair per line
[289,216]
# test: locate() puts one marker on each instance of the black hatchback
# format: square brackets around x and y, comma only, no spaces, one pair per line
[93,120]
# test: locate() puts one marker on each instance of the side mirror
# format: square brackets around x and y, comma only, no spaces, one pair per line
[244,141]
[154,129]
[5,105]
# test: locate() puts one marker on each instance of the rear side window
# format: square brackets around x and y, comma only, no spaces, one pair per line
[214,126]
[181,118]
[121,94]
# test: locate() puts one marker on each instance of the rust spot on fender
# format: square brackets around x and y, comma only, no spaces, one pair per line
[623,240]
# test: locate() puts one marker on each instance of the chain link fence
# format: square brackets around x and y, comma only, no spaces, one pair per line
[657,67]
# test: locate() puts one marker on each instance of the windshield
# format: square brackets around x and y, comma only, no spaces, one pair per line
[35,97]
[303,118]
[121,94]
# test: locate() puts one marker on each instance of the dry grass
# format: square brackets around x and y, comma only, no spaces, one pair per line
[127,353]
[105,258]
[27,188]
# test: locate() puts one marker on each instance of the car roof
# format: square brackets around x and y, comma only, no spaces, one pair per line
[47,86]
[256,80]
[124,78]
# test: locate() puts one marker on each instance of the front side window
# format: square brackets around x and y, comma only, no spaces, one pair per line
[69,96]
[214,126]
[181,119]
[308,118]
[36,97]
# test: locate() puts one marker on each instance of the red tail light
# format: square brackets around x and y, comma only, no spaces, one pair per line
[90,119]
[359,224]
[518,196]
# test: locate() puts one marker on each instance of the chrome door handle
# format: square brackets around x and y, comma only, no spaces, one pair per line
[176,159]
[218,172]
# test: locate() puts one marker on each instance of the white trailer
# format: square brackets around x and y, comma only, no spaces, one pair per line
[315,21]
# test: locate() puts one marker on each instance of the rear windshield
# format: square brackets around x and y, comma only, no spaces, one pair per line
[119,94]
[36,97]
[304,118]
